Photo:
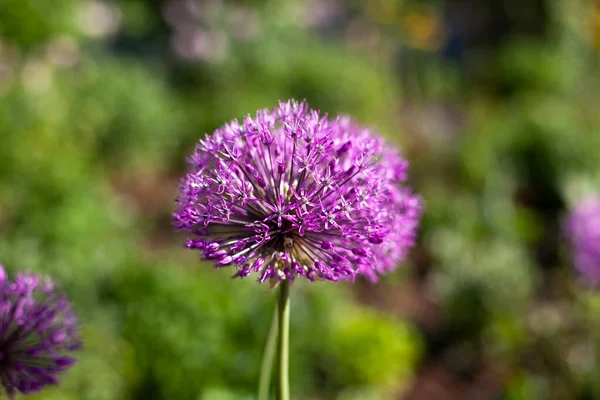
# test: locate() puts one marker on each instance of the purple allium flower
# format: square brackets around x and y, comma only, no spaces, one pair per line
[38,330]
[290,193]
[583,229]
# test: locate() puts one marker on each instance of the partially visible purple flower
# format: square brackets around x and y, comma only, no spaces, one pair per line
[292,193]
[583,229]
[38,331]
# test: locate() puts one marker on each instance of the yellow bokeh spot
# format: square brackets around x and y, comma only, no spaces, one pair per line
[422,28]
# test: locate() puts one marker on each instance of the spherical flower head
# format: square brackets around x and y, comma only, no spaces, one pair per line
[38,331]
[583,230]
[292,193]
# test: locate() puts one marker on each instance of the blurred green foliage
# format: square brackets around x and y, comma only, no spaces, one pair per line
[100,102]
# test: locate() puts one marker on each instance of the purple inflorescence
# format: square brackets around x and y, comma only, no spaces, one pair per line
[290,193]
[583,229]
[38,331]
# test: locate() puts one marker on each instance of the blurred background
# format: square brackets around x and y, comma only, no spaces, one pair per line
[495,103]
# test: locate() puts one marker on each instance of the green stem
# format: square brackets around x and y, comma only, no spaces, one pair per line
[283,321]
[266,368]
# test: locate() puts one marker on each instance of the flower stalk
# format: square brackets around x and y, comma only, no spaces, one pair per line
[283,322]
[266,369]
